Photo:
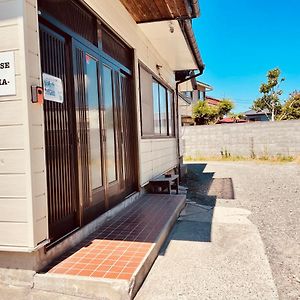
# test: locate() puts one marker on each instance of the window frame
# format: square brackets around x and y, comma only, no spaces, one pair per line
[170,134]
[188,94]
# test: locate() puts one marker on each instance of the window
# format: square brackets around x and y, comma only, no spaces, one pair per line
[157,107]
[171,113]
[94,124]
[160,108]
[109,123]
[147,109]
[201,95]
[188,94]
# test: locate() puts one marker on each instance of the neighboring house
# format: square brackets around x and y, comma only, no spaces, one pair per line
[212,101]
[253,115]
[111,125]
[185,110]
[190,94]
[195,91]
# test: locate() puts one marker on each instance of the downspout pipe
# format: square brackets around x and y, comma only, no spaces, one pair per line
[177,115]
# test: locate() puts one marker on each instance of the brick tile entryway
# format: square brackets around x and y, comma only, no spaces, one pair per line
[119,247]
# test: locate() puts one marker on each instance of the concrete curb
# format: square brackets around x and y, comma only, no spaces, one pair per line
[146,265]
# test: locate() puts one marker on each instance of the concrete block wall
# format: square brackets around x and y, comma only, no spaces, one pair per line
[260,138]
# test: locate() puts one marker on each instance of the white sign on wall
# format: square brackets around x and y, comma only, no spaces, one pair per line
[53,88]
[7,74]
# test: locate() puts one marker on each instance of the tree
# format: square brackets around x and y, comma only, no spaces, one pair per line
[271,92]
[225,106]
[204,113]
[236,116]
[291,108]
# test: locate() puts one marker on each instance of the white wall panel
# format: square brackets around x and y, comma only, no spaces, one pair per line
[12,162]
[11,113]
[13,234]
[12,185]
[13,210]
[157,157]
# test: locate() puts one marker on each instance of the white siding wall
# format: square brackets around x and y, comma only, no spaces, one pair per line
[156,156]
[22,178]
[35,126]
[13,198]
[23,199]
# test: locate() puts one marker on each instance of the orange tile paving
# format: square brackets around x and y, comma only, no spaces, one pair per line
[119,246]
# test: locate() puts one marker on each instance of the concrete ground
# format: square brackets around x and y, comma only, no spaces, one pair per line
[238,237]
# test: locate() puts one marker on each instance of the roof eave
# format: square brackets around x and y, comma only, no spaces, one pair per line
[205,85]
[187,30]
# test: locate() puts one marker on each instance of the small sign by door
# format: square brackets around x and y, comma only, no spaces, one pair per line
[7,74]
[53,88]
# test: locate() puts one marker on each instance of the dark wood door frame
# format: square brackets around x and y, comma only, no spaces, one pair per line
[122,108]
[87,196]
[116,191]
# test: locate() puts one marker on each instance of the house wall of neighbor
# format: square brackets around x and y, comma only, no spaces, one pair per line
[185,109]
[23,192]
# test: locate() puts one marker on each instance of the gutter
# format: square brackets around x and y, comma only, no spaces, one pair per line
[187,30]
[188,33]
[195,8]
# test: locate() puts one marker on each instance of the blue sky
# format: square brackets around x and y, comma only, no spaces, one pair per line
[240,40]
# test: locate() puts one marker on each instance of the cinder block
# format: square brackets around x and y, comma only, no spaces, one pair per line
[276,137]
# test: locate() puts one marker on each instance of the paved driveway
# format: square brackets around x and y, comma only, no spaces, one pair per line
[242,219]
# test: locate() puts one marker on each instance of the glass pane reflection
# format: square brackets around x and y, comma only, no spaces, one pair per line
[170,113]
[94,126]
[109,123]
[163,110]
[156,108]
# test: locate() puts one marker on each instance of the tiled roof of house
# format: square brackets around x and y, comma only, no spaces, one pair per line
[212,100]
[254,112]
[231,120]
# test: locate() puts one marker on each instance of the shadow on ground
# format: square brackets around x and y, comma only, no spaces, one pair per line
[203,188]
[195,221]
